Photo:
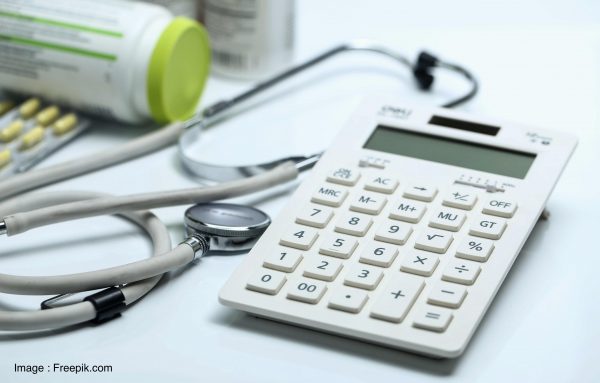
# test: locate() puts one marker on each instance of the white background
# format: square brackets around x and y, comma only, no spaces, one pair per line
[539,64]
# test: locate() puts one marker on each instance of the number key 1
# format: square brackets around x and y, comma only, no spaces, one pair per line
[283,260]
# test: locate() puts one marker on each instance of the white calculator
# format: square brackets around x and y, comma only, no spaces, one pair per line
[405,229]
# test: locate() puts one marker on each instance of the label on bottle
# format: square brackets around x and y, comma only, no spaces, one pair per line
[76,53]
[250,38]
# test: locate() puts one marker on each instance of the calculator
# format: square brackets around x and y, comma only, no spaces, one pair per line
[405,229]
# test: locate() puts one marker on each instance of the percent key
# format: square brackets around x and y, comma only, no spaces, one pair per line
[475,249]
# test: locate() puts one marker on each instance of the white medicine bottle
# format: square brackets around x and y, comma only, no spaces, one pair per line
[251,39]
[129,61]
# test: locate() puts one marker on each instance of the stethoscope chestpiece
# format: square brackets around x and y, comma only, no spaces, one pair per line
[226,227]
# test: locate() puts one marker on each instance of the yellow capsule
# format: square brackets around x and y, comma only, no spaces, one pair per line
[11,131]
[29,107]
[32,138]
[5,106]
[5,158]
[47,115]
[65,124]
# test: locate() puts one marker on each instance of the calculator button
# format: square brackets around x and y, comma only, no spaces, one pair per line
[330,195]
[434,240]
[315,216]
[420,263]
[407,210]
[447,294]
[433,318]
[344,176]
[475,249]
[382,184]
[306,290]
[393,232]
[461,198]
[370,203]
[348,299]
[337,245]
[323,268]
[487,227]
[354,224]
[285,260]
[364,277]
[379,254]
[420,192]
[500,207]
[396,298]
[266,282]
[299,237]
[447,219]
[461,271]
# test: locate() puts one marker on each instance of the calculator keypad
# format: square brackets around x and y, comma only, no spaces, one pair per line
[377,244]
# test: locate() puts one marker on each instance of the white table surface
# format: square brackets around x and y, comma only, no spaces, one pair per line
[539,64]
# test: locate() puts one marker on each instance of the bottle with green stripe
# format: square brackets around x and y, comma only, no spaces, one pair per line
[128,61]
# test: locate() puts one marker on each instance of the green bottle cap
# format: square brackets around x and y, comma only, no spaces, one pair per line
[178,70]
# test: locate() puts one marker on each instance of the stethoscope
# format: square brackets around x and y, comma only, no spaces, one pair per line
[211,227]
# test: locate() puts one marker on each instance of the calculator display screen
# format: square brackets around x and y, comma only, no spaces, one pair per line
[450,151]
